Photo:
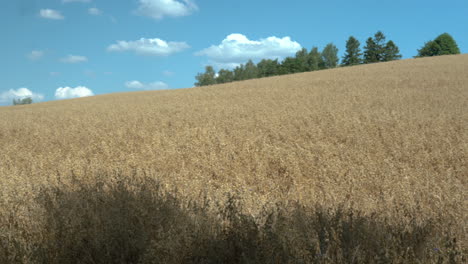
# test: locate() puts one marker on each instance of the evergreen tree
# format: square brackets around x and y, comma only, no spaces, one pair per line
[379,39]
[225,76]
[315,60]
[371,51]
[207,78]
[392,52]
[444,44]
[353,55]
[330,56]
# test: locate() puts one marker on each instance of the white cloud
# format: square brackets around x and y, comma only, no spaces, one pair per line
[81,1]
[94,11]
[73,59]
[237,48]
[68,92]
[35,55]
[51,14]
[158,9]
[8,96]
[147,86]
[154,47]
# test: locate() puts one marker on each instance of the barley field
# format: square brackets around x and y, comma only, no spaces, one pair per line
[365,164]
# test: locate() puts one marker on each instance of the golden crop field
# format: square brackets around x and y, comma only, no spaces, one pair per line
[365,164]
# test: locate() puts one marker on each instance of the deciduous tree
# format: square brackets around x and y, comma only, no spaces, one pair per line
[330,56]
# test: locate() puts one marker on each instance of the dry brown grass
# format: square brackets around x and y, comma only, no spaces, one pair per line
[388,141]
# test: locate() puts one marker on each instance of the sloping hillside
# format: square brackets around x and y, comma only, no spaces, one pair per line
[387,139]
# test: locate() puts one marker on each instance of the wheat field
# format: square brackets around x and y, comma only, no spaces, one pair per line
[385,143]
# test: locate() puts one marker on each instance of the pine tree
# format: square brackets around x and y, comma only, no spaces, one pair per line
[379,39]
[371,51]
[353,55]
[392,52]
[330,56]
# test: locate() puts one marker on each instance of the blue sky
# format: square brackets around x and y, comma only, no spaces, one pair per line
[58,49]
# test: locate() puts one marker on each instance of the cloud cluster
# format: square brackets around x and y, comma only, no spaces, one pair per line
[68,92]
[158,9]
[51,14]
[35,55]
[73,59]
[8,96]
[154,47]
[147,86]
[237,48]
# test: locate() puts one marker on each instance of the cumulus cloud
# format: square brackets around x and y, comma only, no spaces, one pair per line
[154,47]
[35,55]
[147,86]
[51,14]
[73,59]
[237,48]
[94,11]
[68,92]
[8,96]
[158,9]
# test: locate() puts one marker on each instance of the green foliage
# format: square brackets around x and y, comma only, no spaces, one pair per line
[250,70]
[377,50]
[290,65]
[302,60]
[268,68]
[239,73]
[207,78]
[330,56]
[431,48]
[379,39]
[391,52]
[353,55]
[225,76]
[371,51]
[444,44]
[315,60]
[23,101]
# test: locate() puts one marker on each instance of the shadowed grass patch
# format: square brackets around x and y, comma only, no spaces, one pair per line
[132,220]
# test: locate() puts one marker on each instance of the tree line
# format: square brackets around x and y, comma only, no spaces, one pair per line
[22,101]
[377,49]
